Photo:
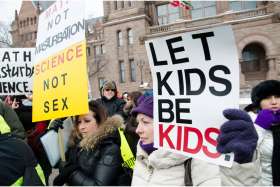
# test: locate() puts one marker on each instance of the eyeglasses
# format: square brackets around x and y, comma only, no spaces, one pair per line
[107,90]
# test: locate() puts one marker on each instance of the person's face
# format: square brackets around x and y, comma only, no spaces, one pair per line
[145,128]
[109,93]
[87,124]
[271,103]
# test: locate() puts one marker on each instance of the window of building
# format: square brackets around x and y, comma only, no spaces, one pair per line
[35,35]
[130,36]
[253,56]
[119,38]
[242,5]
[115,5]
[122,4]
[132,66]
[101,81]
[129,3]
[167,14]
[30,36]
[97,50]
[35,20]
[122,71]
[88,51]
[203,9]
[31,21]
[102,48]
[27,22]
[20,24]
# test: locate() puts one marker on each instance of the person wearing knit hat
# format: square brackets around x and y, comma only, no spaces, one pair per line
[265,136]
[162,167]
[109,99]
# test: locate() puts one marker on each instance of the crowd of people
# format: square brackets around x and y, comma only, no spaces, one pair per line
[113,144]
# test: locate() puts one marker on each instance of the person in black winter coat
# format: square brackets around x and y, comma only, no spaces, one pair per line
[18,165]
[130,120]
[94,157]
[109,99]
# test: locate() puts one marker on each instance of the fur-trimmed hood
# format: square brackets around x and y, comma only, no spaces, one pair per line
[105,131]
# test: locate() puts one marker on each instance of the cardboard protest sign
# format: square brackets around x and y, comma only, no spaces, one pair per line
[16,70]
[195,77]
[60,73]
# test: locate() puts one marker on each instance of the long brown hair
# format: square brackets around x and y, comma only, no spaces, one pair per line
[100,115]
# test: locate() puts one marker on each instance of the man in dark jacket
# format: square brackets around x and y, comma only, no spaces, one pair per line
[109,99]
[17,161]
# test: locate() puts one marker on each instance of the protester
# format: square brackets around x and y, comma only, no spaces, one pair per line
[18,163]
[255,145]
[33,130]
[12,120]
[160,167]
[109,99]
[94,157]
[131,123]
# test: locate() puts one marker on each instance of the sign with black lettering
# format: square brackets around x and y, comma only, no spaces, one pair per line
[60,72]
[16,70]
[195,77]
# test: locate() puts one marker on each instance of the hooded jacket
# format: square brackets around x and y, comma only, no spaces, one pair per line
[99,157]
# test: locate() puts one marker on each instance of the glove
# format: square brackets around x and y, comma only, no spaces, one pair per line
[64,174]
[266,118]
[238,135]
[57,124]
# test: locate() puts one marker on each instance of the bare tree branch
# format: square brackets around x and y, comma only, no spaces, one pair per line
[5,37]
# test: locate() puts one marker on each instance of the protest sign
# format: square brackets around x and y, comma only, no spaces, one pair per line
[195,77]
[16,70]
[60,73]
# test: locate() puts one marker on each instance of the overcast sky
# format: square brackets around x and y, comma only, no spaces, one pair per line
[94,8]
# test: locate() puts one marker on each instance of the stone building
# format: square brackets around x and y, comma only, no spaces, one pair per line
[115,42]
[127,24]
[24,26]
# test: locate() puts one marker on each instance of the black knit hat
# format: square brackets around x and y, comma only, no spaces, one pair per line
[263,90]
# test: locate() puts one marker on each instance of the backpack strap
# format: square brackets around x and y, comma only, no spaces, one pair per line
[188,173]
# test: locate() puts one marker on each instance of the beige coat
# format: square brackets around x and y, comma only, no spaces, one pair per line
[163,167]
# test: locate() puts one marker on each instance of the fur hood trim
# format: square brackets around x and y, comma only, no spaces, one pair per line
[105,130]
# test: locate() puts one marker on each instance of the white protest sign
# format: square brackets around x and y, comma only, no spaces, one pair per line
[195,77]
[60,26]
[16,70]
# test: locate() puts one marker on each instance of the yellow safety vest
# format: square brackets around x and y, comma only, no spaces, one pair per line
[127,155]
[4,127]
[40,173]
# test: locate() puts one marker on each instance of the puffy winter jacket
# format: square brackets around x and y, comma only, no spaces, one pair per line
[99,158]
[163,167]
[113,106]
[265,147]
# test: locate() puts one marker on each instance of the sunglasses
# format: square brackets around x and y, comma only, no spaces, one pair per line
[107,90]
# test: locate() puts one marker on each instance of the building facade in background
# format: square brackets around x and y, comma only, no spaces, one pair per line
[24,26]
[115,42]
